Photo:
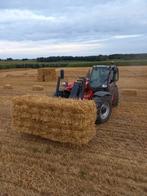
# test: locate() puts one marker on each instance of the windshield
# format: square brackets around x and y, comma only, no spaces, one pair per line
[99,76]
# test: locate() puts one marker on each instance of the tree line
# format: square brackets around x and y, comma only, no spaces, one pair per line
[93,58]
[85,58]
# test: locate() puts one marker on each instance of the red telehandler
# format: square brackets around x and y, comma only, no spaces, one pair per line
[99,85]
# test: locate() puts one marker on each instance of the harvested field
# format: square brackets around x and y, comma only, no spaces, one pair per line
[129,93]
[113,163]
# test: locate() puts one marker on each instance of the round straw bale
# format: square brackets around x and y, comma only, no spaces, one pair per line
[7,86]
[129,92]
[37,88]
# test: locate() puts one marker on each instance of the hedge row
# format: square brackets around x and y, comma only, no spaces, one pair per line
[22,64]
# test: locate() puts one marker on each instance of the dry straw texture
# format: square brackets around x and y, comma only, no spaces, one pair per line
[37,88]
[64,120]
[46,74]
[129,92]
[8,86]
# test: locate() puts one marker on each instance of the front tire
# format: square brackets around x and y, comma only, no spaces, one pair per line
[104,109]
[66,94]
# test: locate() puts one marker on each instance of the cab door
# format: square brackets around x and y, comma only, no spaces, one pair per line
[113,89]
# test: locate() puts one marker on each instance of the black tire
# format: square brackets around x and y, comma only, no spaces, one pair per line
[66,94]
[104,108]
[116,97]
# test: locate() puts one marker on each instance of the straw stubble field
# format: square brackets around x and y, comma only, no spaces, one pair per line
[113,163]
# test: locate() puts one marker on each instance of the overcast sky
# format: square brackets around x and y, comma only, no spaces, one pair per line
[34,28]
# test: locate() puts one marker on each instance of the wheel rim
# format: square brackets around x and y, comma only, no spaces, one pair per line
[104,111]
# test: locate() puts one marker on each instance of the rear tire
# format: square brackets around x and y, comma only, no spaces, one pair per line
[116,97]
[104,109]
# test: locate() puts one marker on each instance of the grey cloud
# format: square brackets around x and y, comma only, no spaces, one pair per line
[72,21]
[49,4]
[132,45]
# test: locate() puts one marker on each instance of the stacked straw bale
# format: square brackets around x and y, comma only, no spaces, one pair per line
[40,75]
[46,74]
[37,88]
[64,120]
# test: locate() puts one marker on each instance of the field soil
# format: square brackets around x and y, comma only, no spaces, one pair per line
[113,163]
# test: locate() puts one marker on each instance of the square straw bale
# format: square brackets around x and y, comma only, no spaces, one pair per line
[40,75]
[63,120]
[47,74]
[50,74]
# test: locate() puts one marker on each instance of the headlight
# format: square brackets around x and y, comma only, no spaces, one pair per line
[64,84]
[104,86]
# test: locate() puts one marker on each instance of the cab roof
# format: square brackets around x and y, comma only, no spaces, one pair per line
[107,66]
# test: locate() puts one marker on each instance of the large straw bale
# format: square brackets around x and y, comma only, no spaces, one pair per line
[64,120]
[40,75]
[8,86]
[46,74]
[129,92]
[50,74]
[37,88]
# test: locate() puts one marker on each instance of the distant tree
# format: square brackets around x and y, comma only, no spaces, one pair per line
[9,59]
[92,58]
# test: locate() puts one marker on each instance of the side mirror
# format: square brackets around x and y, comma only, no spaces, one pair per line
[88,74]
[62,73]
[115,77]
[116,74]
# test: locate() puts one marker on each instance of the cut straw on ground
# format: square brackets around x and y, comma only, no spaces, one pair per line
[8,86]
[37,88]
[129,92]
